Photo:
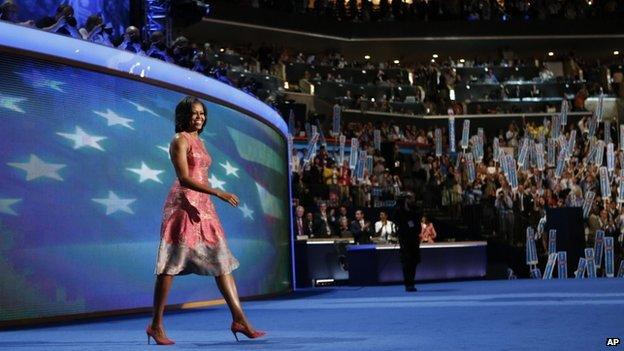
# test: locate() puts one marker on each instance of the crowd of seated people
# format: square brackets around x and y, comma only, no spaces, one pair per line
[434,82]
[442,83]
[438,10]
[487,203]
[205,59]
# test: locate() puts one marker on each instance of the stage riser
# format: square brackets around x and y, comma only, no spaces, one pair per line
[372,264]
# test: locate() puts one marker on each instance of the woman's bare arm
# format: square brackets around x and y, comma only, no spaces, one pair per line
[178,150]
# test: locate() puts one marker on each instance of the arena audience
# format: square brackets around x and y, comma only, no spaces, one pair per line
[63,22]
[326,189]
[437,10]
[486,202]
[9,12]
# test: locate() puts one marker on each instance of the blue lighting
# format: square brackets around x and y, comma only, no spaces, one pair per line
[135,66]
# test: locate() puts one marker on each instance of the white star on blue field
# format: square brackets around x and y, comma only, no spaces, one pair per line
[229,169]
[38,80]
[114,119]
[247,212]
[36,168]
[5,206]
[11,103]
[83,139]
[146,173]
[114,203]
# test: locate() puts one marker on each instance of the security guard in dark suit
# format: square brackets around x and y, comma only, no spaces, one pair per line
[407,220]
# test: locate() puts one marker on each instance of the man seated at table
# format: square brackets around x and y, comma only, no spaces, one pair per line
[343,228]
[385,230]
[309,225]
[300,222]
[343,213]
[361,228]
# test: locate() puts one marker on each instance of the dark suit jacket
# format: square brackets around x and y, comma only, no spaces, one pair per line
[320,229]
[308,227]
[359,234]
[528,205]
[296,227]
[408,230]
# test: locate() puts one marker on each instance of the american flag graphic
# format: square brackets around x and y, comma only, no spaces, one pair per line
[85,170]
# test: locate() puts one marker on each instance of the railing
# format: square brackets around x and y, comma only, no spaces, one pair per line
[471,116]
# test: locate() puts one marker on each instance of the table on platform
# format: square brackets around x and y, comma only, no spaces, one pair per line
[327,260]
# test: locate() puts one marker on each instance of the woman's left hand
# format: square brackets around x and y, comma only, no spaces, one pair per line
[229,198]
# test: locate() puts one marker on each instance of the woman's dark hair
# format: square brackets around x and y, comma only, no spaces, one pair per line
[184,111]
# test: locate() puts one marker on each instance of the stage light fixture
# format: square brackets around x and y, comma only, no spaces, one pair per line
[616,53]
[396,62]
[367,57]
[435,56]
[551,54]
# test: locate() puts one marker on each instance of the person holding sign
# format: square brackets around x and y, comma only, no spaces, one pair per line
[344,180]
[504,206]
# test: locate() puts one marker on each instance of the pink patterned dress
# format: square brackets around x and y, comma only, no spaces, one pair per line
[191,236]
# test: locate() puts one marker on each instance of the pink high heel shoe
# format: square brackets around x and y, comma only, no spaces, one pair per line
[240,328]
[160,340]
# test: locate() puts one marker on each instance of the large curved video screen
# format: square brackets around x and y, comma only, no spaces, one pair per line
[85,171]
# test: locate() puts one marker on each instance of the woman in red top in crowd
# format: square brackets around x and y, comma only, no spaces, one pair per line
[344,179]
[427,231]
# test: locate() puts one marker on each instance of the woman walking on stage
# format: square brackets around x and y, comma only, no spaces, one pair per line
[192,239]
